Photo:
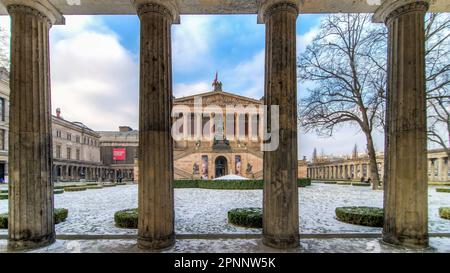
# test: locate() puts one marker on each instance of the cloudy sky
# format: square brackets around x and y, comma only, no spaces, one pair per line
[94,67]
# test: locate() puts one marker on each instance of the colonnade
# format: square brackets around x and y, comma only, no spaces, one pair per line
[65,172]
[31,221]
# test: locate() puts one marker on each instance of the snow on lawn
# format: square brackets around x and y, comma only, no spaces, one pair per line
[205,211]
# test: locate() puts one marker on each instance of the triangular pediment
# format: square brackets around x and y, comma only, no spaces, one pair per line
[219,98]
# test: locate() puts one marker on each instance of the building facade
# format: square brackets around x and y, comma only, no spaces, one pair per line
[118,152]
[4,123]
[76,151]
[357,167]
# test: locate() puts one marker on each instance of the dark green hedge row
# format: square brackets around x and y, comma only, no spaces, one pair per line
[3,191]
[126,218]
[230,184]
[444,213]
[75,189]
[3,196]
[60,215]
[246,217]
[59,191]
[442,190]
[363,216]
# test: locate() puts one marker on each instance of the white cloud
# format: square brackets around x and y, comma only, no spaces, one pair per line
[187,89]
[94,78]
[191,44]
[247,77]
[306,39]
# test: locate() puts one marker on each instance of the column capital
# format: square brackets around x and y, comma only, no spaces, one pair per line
[41,7]
[391,9]
[166,7]
[267,7]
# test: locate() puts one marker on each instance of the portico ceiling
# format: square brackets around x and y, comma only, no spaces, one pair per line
[93,7]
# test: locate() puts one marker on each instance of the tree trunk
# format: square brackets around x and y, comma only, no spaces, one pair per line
[374,175]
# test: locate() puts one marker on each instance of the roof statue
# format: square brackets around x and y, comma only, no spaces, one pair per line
[216,83]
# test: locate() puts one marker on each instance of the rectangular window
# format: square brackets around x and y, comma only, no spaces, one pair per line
[2,140]
[2,109]
[77,139]
[69,151]
[78,154]
[69,136]
[58,151]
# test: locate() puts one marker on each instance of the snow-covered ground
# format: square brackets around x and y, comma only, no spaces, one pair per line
[204,211]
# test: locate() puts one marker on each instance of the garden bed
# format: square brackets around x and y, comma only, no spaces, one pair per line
[363,216]
[246,217]
[442,190]
[60,215]
[126,218]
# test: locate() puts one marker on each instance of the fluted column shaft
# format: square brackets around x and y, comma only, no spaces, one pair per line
[156,203]
[405,196]
[31,203]
[281,224]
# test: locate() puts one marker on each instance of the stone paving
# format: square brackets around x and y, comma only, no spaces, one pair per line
[437,244]
[201,211]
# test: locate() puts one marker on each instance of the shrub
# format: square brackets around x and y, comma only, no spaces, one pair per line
[3,221]
[109,185]
[126,218]
[183,184]
[75,189]
[58,191]
[91,184]
[329,182]
[60,215]
[246,217]
[121,184]
[442,190]
[344,183]
[230,184]
[358,184]
[3,191]
[3,196]
[94,187]
[304,182]
[363,216]
[444,213]
[58,187]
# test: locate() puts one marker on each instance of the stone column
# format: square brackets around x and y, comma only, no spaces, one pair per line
[156,201]
[405,183]
[280,208]
[31,202]
[443,169]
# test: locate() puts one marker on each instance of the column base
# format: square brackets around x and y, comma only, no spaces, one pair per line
[406,241]
[281,242]
[30,243]
[156,243]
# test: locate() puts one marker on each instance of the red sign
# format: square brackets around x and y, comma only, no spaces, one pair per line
[119,154]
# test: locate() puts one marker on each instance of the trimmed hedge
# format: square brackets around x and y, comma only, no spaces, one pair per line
[246,217]
[442,190]
[121,184]
[91,184]
[3,196]
[109,185]
[230,184]
[363,216]
[75,189]
[60,215]
[126,218]
[3,191]
[359,184]
[4,221]
[94,187]
[59,191]
[347,183]
[444,213]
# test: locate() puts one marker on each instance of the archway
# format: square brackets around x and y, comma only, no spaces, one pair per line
[221,166]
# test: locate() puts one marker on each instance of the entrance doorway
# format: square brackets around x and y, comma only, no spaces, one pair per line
[221,166]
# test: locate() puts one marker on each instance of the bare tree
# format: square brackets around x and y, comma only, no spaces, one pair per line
[4,52]
[437,35]
[349,79]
